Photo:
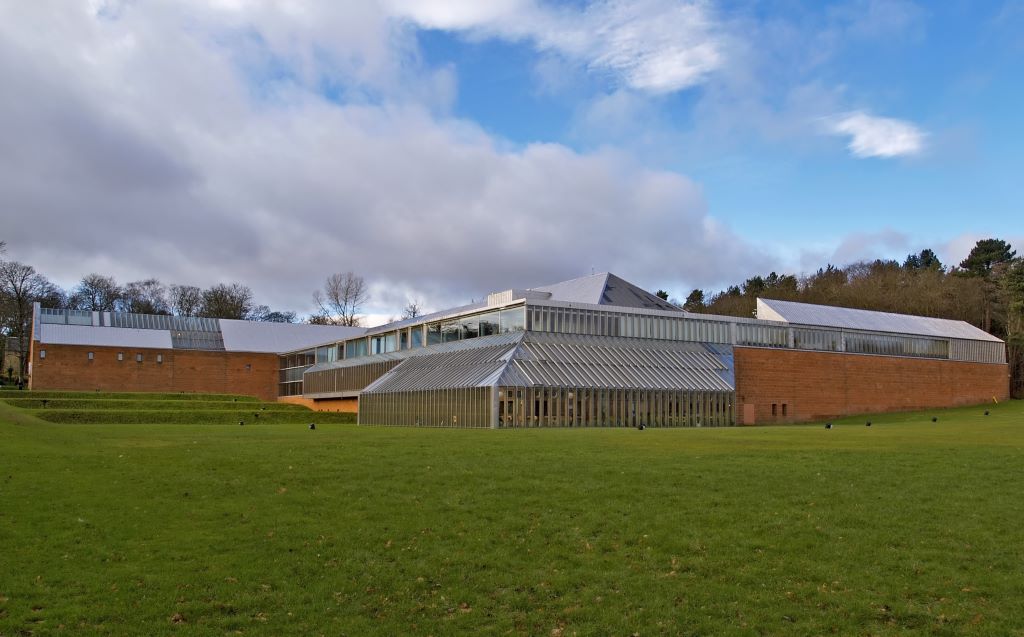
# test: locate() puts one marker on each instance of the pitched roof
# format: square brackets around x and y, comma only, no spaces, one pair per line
[605,289]
[849,318]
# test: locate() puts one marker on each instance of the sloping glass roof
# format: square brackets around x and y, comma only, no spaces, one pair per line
[477,367]
[849,318]
[562,360]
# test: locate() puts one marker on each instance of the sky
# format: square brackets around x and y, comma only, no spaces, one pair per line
[445,149]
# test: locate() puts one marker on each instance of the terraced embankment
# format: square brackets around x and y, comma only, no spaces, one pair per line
[142,409]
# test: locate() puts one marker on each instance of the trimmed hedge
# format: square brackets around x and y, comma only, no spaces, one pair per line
[174,405]
[206,417]
[135,396]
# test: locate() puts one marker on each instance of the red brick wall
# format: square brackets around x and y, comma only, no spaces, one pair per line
[67,367]
[817,385]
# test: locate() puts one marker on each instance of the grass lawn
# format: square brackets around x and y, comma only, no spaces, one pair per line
[905,527]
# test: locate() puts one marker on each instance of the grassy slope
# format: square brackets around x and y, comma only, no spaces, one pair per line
[907,527]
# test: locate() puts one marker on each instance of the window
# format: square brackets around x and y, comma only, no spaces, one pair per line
[248,367]
[450,331]
[138,358]
[42,353]
[783,409]
[91,356]
[513,319]
[159,358]
[775,409]
[120,356]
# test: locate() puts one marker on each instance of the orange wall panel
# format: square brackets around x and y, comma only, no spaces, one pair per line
[347,405]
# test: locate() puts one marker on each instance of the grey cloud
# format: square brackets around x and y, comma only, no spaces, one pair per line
[860,246]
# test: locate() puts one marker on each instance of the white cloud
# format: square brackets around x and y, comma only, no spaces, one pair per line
[158,142]
[656,46]
[872,136]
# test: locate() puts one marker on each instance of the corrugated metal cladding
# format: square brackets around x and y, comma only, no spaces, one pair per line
[55,334]
[979,351]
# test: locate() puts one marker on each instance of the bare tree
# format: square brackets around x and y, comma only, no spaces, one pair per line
[97,293]
[20,287]
[185,300]
[265,314]
[144,297]
[341,299]
[227,301]
[412,309]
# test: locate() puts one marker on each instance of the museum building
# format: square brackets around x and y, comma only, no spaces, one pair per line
[596,351]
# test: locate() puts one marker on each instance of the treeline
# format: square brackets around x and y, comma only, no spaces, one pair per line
[339,303]
[99,293]
[986,290]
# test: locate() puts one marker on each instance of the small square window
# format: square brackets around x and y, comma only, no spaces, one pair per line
[138,358]
[120,356]
[248,367]
[91,355]
[159,358]
[42,353]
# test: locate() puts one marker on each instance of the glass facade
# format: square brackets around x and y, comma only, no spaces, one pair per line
[292,367]
[518,407]
[601,407]
[457,407]
[433,333]
[345,379]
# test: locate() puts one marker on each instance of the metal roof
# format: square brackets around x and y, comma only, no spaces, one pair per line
[261,336]
[849,318]
[56,334]
[562,360]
